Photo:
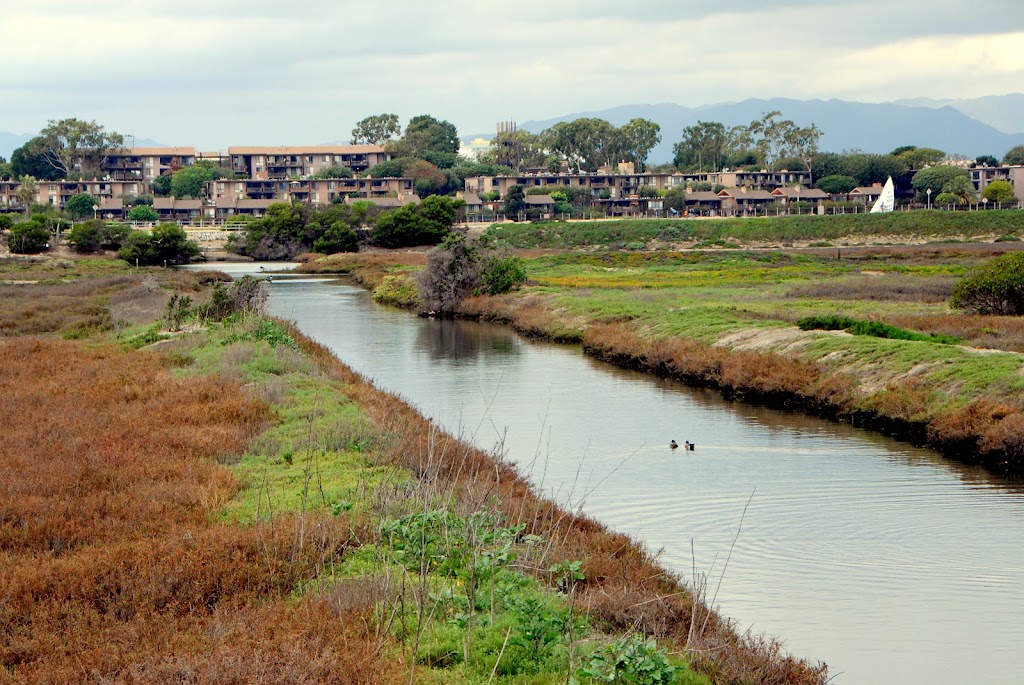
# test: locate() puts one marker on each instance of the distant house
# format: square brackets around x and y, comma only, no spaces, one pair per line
[739,202]
[790,194]
[542,204]
[387,202]
[865,194]
[983,176]
[703,203]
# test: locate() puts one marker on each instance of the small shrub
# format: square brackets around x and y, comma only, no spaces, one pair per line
[875,329]
[28,237]
[398,290]
[502,274]
[629,660]
[996,287]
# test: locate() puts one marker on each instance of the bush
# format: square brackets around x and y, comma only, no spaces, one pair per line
[836,184]
[166,243]
[86,236]
[80,206]
[28,237]
[338,238]
[875,329]
[502,274]
[143,213]
[996,287]
[426,224]
[5,222]
[451,274]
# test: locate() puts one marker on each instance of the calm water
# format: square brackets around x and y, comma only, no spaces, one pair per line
[886,561]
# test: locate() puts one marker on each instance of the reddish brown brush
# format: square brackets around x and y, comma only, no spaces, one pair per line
[113,568]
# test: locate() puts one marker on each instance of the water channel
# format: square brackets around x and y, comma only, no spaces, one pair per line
[888,562]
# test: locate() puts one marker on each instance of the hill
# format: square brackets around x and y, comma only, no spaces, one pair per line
[871,127]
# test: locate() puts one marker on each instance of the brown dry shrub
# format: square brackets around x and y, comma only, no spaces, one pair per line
[968,423]
[993,332]
[1005,437]
[906,401]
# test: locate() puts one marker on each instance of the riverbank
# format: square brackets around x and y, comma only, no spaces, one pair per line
[227,500]
[728,320]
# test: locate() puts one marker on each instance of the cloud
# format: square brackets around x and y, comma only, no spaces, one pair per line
[256,71]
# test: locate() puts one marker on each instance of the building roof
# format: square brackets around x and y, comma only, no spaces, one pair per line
[867,190]
[471,199]
[386,202]
[746,194]
[703,196]
[539,200]
[246,203]
[306,149]
[155,151]
[804,193]
[111,203]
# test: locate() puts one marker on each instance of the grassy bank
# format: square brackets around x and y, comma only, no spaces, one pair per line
[232,504]
[730,320]
[838,229]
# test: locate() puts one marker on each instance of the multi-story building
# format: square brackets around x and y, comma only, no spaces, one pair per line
[145,163]
[313,191]
[982,176]
[57,193]
[622,185]
[298,162]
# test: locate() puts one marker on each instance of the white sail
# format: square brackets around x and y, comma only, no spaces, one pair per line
[886,202]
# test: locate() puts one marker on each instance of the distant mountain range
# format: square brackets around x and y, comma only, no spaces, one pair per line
[988,125]
[869,127]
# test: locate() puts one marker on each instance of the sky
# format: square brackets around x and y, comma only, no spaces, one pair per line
[212,74]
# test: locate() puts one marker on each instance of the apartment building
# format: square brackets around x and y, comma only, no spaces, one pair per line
[263,163]
[312,191]
[982,176]
[57,193]
[145,163]
[622,185]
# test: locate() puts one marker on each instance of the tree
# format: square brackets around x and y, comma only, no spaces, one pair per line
[999,191]
[516,149]
[960,186]
[587,143]
[937,177]
[30,160]
[410,225]
[986,160]
[427,138]
[515,201]
[165,244]
[837,184]
[80,206]
[1014,156]
[639,138]
[450,275]
[339,237]
[996,287]
[702,147]
[191,181]
[143,213]
[920,157]
[802,143]
[68,142]
[334,172]
[86,236]
[161,185]
[27,192]
[29,237]
[376,130]
[675,199]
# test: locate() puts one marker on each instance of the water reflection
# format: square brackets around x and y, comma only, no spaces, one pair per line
[462,342]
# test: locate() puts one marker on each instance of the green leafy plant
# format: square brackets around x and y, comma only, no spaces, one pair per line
[632,660]
[996,287]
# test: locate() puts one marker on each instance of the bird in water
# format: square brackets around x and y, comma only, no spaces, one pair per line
[673,445]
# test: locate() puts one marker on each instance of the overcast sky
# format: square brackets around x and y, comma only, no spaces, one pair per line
[210,74]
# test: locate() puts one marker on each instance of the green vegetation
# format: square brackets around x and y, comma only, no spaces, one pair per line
[876,329]
[920,224]
[996,287]
[165,244]
[424,224]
